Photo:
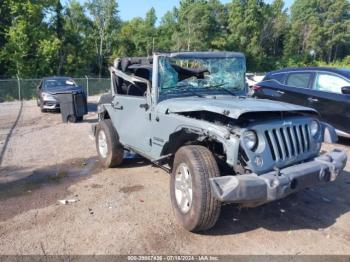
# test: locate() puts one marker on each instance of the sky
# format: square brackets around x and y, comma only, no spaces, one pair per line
[132,8]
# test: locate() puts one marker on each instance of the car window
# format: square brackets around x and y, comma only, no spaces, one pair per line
[279,77]
[330,83]
[299,80]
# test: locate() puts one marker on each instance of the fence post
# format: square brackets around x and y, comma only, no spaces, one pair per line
[87,86]
[19,88]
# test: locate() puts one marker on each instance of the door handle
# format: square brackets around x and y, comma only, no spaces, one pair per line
[145,106]
[280,92]
[117,106]
[312,99]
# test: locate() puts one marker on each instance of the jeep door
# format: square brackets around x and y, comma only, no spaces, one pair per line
[131,118]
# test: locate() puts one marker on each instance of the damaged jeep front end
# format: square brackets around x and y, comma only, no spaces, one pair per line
[284,159]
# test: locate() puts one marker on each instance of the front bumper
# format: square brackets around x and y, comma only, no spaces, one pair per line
[254,190]
[51,104]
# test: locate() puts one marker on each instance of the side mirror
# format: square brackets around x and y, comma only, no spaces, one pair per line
[345,90]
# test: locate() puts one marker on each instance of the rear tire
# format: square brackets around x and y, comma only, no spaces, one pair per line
[203,210]
[108,147]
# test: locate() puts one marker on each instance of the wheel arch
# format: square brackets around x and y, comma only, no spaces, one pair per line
[102,112]
[185,137]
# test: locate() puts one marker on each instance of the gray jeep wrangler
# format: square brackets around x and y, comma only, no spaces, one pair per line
[188,113]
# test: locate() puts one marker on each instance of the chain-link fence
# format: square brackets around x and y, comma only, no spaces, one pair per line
[25,89]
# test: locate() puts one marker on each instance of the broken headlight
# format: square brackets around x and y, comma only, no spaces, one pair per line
[250,139]
[314,127]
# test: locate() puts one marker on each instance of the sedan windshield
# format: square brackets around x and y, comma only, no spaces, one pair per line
[64,82]
[201,76]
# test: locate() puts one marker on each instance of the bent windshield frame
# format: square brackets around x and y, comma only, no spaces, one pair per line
[204,76]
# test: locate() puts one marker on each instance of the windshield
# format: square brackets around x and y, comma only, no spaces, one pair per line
[64,82]
[201,76]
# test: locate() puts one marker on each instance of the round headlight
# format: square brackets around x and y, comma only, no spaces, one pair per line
[250,139]
[314,127]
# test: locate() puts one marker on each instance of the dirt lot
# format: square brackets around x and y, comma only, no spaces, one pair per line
[127,210]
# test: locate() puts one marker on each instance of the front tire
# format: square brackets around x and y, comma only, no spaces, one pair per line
[194,206]
[109,149]
[42,110]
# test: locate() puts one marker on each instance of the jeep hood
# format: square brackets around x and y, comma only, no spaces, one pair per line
[233,107]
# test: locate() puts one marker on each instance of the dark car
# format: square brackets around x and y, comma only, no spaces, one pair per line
[325,89]
[49,87]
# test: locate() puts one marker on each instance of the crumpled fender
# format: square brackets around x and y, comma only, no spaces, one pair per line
[329,134]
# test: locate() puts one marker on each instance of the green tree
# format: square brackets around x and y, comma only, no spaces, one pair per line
[196,25]
[131,42]
[5,23]
[79,49]
[219,30]
[149,31]
[104,14]
[166,35]
[23,36]
[274,28]
[319,27]
[42,37]
[246,21]
[139,37]
[60,34]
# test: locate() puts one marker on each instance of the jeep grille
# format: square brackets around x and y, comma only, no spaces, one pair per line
[288,142]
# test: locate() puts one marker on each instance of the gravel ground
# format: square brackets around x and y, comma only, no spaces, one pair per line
[127,210]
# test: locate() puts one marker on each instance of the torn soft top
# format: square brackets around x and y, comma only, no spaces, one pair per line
[124,63]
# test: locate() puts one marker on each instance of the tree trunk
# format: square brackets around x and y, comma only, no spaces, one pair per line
[189,36]
[330,49]
[335,53]
[100,57]
[60,61]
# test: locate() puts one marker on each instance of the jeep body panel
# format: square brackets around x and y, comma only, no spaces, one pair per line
[149,132]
